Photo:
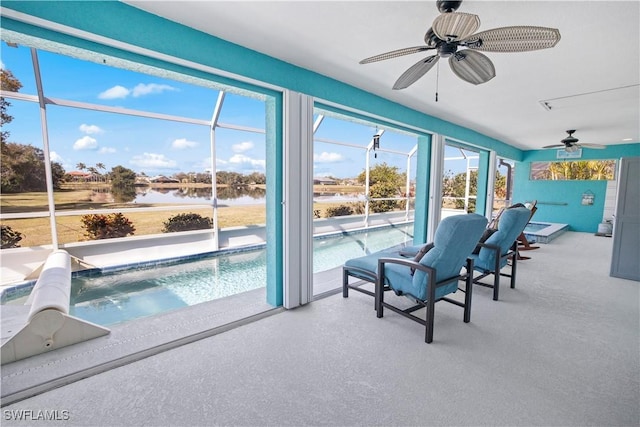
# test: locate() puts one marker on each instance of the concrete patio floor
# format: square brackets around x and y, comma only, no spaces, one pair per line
[563,348]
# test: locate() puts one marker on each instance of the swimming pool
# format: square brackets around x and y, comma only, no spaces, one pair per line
[544,232]
[122,295]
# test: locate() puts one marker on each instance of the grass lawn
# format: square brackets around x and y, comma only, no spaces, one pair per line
[36,231]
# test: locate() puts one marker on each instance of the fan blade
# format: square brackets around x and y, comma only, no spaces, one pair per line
[596,146]
[416,71]
[395,54]
[554,146]
[472,66]
[455,26]
[513,39]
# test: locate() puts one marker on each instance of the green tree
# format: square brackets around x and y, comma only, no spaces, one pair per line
[454,186]
[23,169]
[122,184]
[22,165]
[122,177]
[229,178]
[384,182]
[500,187]
[579,170]
[256,178]
[11,84]
[101,166]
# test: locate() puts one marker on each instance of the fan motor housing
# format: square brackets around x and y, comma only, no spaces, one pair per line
[448,6]
[445,50]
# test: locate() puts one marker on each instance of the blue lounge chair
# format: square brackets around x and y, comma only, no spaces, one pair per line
[501,247]
[427,280]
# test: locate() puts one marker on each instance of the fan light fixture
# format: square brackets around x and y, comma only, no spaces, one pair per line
[452,36]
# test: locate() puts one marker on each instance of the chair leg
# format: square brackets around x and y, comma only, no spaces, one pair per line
[468,292]
[345,282]
[514,262]
[496,277]
[379,295]
[431,305]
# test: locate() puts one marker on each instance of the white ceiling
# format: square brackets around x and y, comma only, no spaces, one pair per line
[591,77]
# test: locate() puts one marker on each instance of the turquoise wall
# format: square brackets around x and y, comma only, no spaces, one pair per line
[561,201]
[423,173]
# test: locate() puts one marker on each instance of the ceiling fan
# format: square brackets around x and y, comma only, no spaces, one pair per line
[451,31]
[570,143]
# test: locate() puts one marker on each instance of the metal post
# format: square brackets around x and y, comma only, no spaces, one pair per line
[47,157]
[214,189]
[467,186]
[408,190]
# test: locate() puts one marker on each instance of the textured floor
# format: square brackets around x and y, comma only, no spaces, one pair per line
[561,349]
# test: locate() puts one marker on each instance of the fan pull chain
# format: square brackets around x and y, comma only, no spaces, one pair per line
[437,78]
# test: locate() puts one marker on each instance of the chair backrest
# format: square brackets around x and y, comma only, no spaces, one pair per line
[511,224]
[455,239]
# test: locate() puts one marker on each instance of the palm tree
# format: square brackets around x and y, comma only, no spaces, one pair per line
[101,165]
[81,166]
[94,173]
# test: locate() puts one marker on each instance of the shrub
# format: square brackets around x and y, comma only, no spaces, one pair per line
[358,208]
[186,222]
[10,238]
[340,210]
[106,226]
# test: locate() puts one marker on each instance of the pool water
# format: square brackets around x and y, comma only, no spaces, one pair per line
[111,298]
[532,227]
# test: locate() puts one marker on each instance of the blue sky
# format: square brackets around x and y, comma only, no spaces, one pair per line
[165,147]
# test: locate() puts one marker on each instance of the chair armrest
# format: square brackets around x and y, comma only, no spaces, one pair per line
[427,247]
[412,264]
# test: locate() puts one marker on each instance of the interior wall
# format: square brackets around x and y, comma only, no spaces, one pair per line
[561,201]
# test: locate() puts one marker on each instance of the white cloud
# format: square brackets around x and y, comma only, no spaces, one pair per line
[325,157]
[107,150]
[242,147]
[90,129]
[85,143]
[55,157]
[142,89]
[246,162]
[183,143]
[153,160]
[115,92]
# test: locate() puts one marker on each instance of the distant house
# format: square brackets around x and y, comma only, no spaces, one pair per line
[142,180]
[323,181]
[79,176]
[161,179]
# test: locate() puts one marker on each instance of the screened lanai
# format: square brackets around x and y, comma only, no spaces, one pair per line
[197,109]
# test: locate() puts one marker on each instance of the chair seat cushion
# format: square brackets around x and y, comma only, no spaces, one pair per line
[368,263]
